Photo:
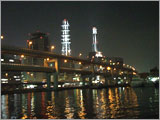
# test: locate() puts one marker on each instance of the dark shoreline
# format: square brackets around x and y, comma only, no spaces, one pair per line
[59,89]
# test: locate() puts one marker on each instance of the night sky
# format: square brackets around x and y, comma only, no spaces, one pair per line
[125,29]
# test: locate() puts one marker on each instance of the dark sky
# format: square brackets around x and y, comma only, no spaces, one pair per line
[125,29]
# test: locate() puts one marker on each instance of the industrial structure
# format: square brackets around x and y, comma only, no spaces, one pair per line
[65,38]
[95,55]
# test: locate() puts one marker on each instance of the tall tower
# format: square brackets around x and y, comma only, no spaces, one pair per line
[94,44]
[65,38]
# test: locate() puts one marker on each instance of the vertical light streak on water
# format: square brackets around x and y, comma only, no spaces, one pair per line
[24,106]
[4,107]
[81,112]
[112,102]
[69,103]
[103,105]
[33,105]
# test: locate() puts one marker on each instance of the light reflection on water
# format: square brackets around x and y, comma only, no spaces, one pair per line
[122,102]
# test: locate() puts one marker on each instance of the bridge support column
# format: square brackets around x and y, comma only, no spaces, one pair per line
[83,80]
[106,81]
[90,80]
[57,66]
[55,80]
[48,81]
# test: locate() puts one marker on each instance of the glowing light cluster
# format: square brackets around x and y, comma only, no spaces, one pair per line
[65,38]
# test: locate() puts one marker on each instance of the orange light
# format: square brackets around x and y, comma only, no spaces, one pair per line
[52,47]
[65,61]
[134,73]
[47,59]
[114,69]
[6,74]
[108,68]
[30,43]
[22,56]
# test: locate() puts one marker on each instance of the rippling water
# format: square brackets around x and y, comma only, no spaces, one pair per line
[122,102]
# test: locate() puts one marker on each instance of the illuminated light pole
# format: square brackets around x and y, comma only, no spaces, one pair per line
[65,38]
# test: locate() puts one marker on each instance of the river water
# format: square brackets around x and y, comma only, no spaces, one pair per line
[120,102]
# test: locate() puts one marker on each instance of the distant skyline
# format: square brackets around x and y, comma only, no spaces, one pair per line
[125,29]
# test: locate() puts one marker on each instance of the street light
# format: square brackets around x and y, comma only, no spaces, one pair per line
[2,37]
[65,61]
[22,56]
[47,59]
[108,68]
[30,43]
[80,54]
[52,48]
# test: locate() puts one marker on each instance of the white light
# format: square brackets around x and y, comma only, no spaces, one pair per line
[97,77]
[59,85]
[81,83]
[2,60]
[11,60]
[114,78]
[124,77]
[14,76]
[119,77]
[31,86]
[96,81]
[65,38]
[18,79]
[99,54]
[3,79]
[154,79]
[94,30]
[119,82]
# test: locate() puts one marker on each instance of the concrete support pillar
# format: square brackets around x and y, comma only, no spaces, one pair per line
[83,80]
[106,81]
[57,66]
[55,80]
[48,80]
[90,80]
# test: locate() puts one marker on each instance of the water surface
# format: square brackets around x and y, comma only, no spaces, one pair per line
[122,102]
